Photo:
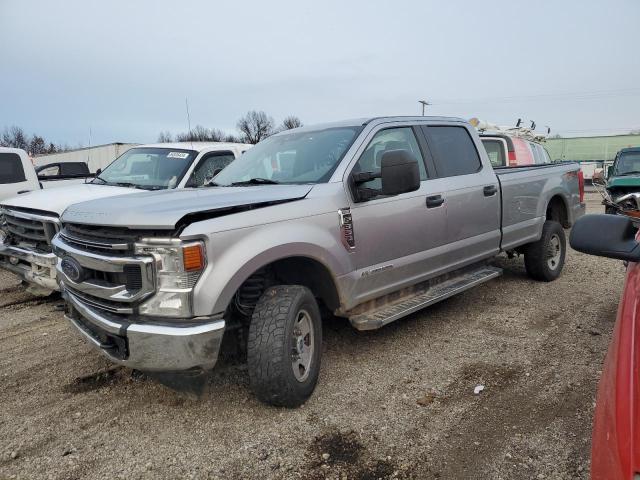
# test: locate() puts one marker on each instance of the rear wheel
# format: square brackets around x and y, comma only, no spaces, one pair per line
[544,259]
[284,346]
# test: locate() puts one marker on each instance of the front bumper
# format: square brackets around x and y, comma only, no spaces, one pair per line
[148,347]
[38,268]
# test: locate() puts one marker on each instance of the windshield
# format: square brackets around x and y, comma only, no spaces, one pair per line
[149,168]
[296,157]
[628,162]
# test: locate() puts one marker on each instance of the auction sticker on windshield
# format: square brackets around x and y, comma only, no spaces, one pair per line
[177,155]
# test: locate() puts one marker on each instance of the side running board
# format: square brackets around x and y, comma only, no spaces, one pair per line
[382,316]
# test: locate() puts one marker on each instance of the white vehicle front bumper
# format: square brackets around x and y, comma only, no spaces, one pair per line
[37,268]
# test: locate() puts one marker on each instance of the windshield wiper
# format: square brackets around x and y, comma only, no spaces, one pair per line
[133,185]
[632,172]
[256,181]
[97,177]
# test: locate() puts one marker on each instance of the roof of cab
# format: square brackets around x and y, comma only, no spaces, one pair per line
[197,146]
[358,122]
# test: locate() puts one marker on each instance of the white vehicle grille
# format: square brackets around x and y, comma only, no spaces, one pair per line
[32,229]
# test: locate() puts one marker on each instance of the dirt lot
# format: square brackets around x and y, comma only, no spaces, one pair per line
[395,403]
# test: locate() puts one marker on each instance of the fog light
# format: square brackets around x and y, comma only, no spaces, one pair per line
[14,260]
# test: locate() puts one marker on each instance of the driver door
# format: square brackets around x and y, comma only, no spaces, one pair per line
[397,238]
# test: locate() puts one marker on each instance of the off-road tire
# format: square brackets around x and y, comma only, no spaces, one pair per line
[536,254]
[270,346]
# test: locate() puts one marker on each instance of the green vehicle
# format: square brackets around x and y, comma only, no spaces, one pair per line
[623,181]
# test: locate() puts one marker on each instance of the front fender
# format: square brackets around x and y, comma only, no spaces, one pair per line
[234,255]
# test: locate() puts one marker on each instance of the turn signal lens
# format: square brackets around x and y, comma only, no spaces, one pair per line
[192,258]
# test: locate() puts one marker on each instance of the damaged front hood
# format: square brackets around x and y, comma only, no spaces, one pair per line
[169,209]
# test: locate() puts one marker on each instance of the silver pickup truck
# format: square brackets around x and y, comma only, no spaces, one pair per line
[369,220]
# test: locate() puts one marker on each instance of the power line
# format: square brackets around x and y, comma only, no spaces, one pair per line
[629,92]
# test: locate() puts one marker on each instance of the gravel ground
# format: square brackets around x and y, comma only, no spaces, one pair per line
[393,403]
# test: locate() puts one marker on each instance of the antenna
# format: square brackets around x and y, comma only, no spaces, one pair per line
[89,151]
[186,102]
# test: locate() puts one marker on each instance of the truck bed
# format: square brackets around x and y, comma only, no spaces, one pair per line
[526,193]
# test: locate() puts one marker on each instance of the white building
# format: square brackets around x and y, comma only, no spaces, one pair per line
[95,157]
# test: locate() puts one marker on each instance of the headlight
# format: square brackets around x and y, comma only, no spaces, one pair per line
[178,267]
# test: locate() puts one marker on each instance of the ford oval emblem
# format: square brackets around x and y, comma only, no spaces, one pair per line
[72,269]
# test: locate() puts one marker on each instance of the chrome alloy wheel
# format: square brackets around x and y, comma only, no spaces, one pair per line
[302,346]
[554,252]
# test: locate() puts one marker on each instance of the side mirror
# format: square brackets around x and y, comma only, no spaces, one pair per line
[611,236]
[98,171]
[399,172]
[609,171]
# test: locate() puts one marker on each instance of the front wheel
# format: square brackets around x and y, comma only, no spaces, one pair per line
[544,259]
[285,345]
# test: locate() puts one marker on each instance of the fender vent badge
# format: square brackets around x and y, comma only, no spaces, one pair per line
[346,229]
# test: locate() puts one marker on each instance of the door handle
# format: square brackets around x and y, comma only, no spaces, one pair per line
[434,201]
[490,190]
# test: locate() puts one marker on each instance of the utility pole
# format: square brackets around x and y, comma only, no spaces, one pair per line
[424,104]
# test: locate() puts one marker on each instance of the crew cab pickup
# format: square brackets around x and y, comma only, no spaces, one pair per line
[369,219]
[30,220]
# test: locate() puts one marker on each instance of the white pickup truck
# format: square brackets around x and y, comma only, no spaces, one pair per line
[31,219]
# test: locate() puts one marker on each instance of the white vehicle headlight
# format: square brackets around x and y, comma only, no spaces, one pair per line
[178,267]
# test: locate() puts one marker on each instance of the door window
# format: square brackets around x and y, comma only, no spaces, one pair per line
[11,170]
[209,166]
[495,151]
[453,150]
[385,140]
[53,171]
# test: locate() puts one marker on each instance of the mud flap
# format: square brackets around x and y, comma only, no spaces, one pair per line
[194,383]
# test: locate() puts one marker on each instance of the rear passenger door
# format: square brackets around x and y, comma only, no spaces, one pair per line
[472,196]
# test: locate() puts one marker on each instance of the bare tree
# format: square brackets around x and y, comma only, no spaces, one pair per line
[165,137]
[290,122]
[255,126]
[37,146]
[14,137]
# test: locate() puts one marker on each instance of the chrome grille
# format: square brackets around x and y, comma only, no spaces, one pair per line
[99,239]
[96,302]
[29,228]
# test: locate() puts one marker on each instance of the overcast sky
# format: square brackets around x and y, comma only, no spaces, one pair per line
[124,68]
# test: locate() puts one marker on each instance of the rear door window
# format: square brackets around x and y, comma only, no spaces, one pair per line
[454,152]
[495,151]
[11,170]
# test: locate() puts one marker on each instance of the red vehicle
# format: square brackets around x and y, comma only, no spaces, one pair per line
[615,450]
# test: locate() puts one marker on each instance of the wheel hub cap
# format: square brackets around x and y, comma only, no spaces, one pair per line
[554,252]
[302,346]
